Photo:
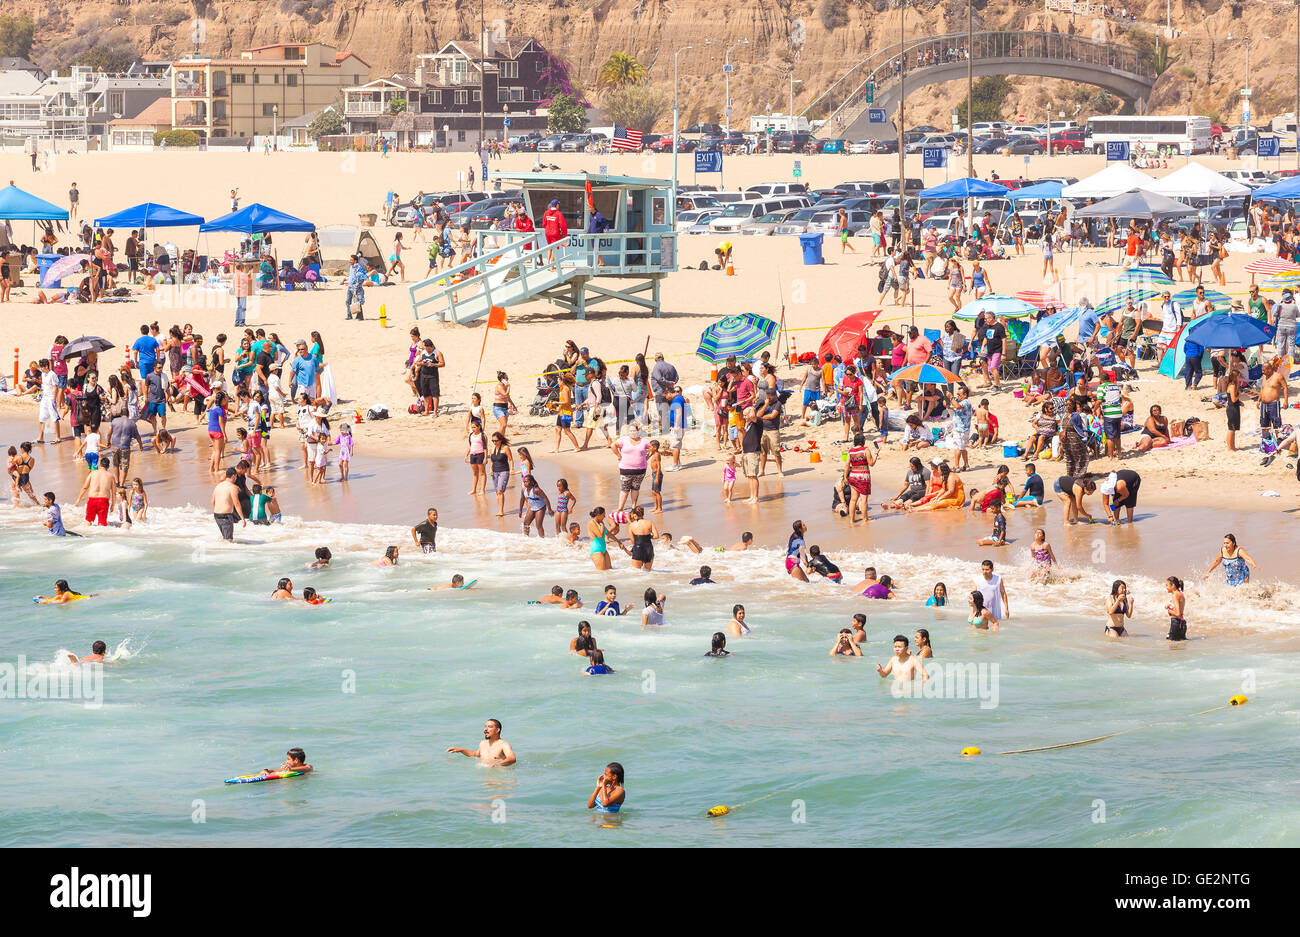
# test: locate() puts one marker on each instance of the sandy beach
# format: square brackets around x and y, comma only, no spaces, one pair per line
[368,360]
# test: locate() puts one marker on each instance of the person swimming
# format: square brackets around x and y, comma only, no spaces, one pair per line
[63,593]
[737,627]
[609,795]
[388,559]
[844,645]
[719,646]
[584,643]
[96,655]
[818,563]
[1119,607]
[323,557]
[284,589]
[312,597]
[597,666]
[939,596]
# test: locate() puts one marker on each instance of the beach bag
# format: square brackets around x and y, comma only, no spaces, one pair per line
[377,412]
[1176,428]
[416,408]
[1201,430]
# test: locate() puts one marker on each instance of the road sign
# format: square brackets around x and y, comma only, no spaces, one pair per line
[870,93]
[798,168]
[507,121]
[934,157]
[708,161]
[1245,110]
[1117,151]
[875,115]
[1269,146]
[1020,118]
[727,68]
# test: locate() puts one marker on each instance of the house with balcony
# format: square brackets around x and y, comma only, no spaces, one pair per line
[496,80]
[250,95]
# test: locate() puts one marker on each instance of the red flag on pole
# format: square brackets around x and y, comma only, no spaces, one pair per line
[591,204]
[497,318]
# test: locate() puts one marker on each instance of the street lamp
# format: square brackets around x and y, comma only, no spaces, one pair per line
[1248,41]
[726,75]
[275,121]
[673,213]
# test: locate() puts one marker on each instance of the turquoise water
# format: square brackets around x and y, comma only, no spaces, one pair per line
[216,680]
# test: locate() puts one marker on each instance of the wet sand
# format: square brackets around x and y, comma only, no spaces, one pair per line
[1165,540]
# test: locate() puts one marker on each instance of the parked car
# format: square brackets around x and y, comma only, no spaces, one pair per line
[735,139]
[990,145]
[1027,144]
[576,143]
[786,141]
[702,220]
[941,140]
[693,201]
[711,141]
[885,146]
[686,220]
[1251,177]
[910,186]
[665,144]
[835,145]
[798,221]
[767,225]
[829,221]
[1068,141]
[773,189]
[738,214]
[704,129]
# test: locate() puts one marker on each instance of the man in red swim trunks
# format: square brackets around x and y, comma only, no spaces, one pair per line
[100,491]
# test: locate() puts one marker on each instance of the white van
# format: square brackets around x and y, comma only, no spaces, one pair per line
[773,189]
[738,214]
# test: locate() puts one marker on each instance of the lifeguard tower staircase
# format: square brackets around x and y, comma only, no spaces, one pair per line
[624,263]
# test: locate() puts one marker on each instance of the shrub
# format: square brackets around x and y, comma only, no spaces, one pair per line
[176,138]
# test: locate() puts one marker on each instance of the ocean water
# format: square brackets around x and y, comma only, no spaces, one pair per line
[214,680]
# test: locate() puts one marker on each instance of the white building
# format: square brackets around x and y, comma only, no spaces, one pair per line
[778,122]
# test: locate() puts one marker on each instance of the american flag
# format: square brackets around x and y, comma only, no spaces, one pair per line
[625,139]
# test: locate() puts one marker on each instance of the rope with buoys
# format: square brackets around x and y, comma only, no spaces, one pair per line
[722,810]
[972,750]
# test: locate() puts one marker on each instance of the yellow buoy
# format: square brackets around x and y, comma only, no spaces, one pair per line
[1237,700]
[970,750]
[719,811]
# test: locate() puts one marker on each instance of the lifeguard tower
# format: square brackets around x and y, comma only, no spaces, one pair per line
[624,263]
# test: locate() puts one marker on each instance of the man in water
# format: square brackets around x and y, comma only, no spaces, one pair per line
[100,492]
[904,665]
[994,591]
[96,655]
[425,533]
[555,598]
[457,582]
[705,578]
[53,516]
[820,564]
[225,506]
[746,541]
[295,759]
[609,604]
[493,750]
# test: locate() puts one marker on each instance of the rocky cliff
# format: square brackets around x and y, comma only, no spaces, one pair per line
[813,40]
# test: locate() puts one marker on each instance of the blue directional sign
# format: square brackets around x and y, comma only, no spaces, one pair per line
[934,157]
[1117,151]
[708,161]
[1269,146]
[875,115]
[507,121]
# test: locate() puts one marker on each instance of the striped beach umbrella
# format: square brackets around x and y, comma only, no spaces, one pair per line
[1270,265]
[1283,281]
[1187,297]
[1118,301]
[1004,306]
[742,336]
[1144,276]
[1040,299]
[925,374]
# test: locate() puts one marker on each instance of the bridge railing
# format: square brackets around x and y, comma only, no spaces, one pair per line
[883,68]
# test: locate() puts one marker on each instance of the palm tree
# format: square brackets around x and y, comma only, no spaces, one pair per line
[619,70]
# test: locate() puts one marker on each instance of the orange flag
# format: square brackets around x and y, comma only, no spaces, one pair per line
[497,318]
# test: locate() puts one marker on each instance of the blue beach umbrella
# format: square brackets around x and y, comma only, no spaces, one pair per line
[742,336]
[1148,276]
[1044,331]
[1229,330]
[1005,306]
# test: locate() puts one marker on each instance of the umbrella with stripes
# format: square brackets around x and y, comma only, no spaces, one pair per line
[925,374]
[1004,306]
[1144,276]
[1272,265]
[1187,297]
[1040,299]
[1119,300]
[742,336]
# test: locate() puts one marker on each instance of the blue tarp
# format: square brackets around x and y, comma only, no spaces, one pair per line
[17,205]
[149,215]
[257,219]
[1047,190]
[965,188]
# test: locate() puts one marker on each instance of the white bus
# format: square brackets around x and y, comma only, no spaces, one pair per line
[1187,135]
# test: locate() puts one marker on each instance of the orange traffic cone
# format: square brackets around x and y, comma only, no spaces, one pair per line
[794,352]
[357,418]
[731,267]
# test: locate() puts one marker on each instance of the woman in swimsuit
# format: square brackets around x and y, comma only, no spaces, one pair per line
[1155,432]
[584,643]
[63,593]
[599,532]
[737,627]
[923,649]
[539,505]
[643,534]
[501,402]
[938,597]
[1118,607]
[284,589]
[216,414]
[388,559]
[1236,562]
[844,645]
[476,455]
[857,472]
[652,616]
[980,617]
[796,553]
[21,468]
[1177,609]
[502,460]
[609,794]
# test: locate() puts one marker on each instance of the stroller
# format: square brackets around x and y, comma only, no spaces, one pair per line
[547,400]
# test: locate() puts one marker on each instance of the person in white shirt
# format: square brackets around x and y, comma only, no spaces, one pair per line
[1172,320]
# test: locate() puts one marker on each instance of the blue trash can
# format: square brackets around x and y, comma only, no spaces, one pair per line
[812,248]
[43,263]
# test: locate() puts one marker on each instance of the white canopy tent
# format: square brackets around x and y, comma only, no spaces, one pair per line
[1196,181]
[1115,179]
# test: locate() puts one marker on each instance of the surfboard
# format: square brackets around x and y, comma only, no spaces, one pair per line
[273,776]
[468,584]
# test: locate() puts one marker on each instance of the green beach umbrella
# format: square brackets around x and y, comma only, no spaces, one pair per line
[1145,276]
[1117,301]
[742,336]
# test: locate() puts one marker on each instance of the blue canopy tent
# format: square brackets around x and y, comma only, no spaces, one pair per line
[965,188]
[1045,330]
[1044,190]
[256,219]
[17,205]
[149,215]
[1287,188]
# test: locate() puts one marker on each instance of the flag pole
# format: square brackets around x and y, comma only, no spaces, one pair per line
[780,329]
[486,329]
